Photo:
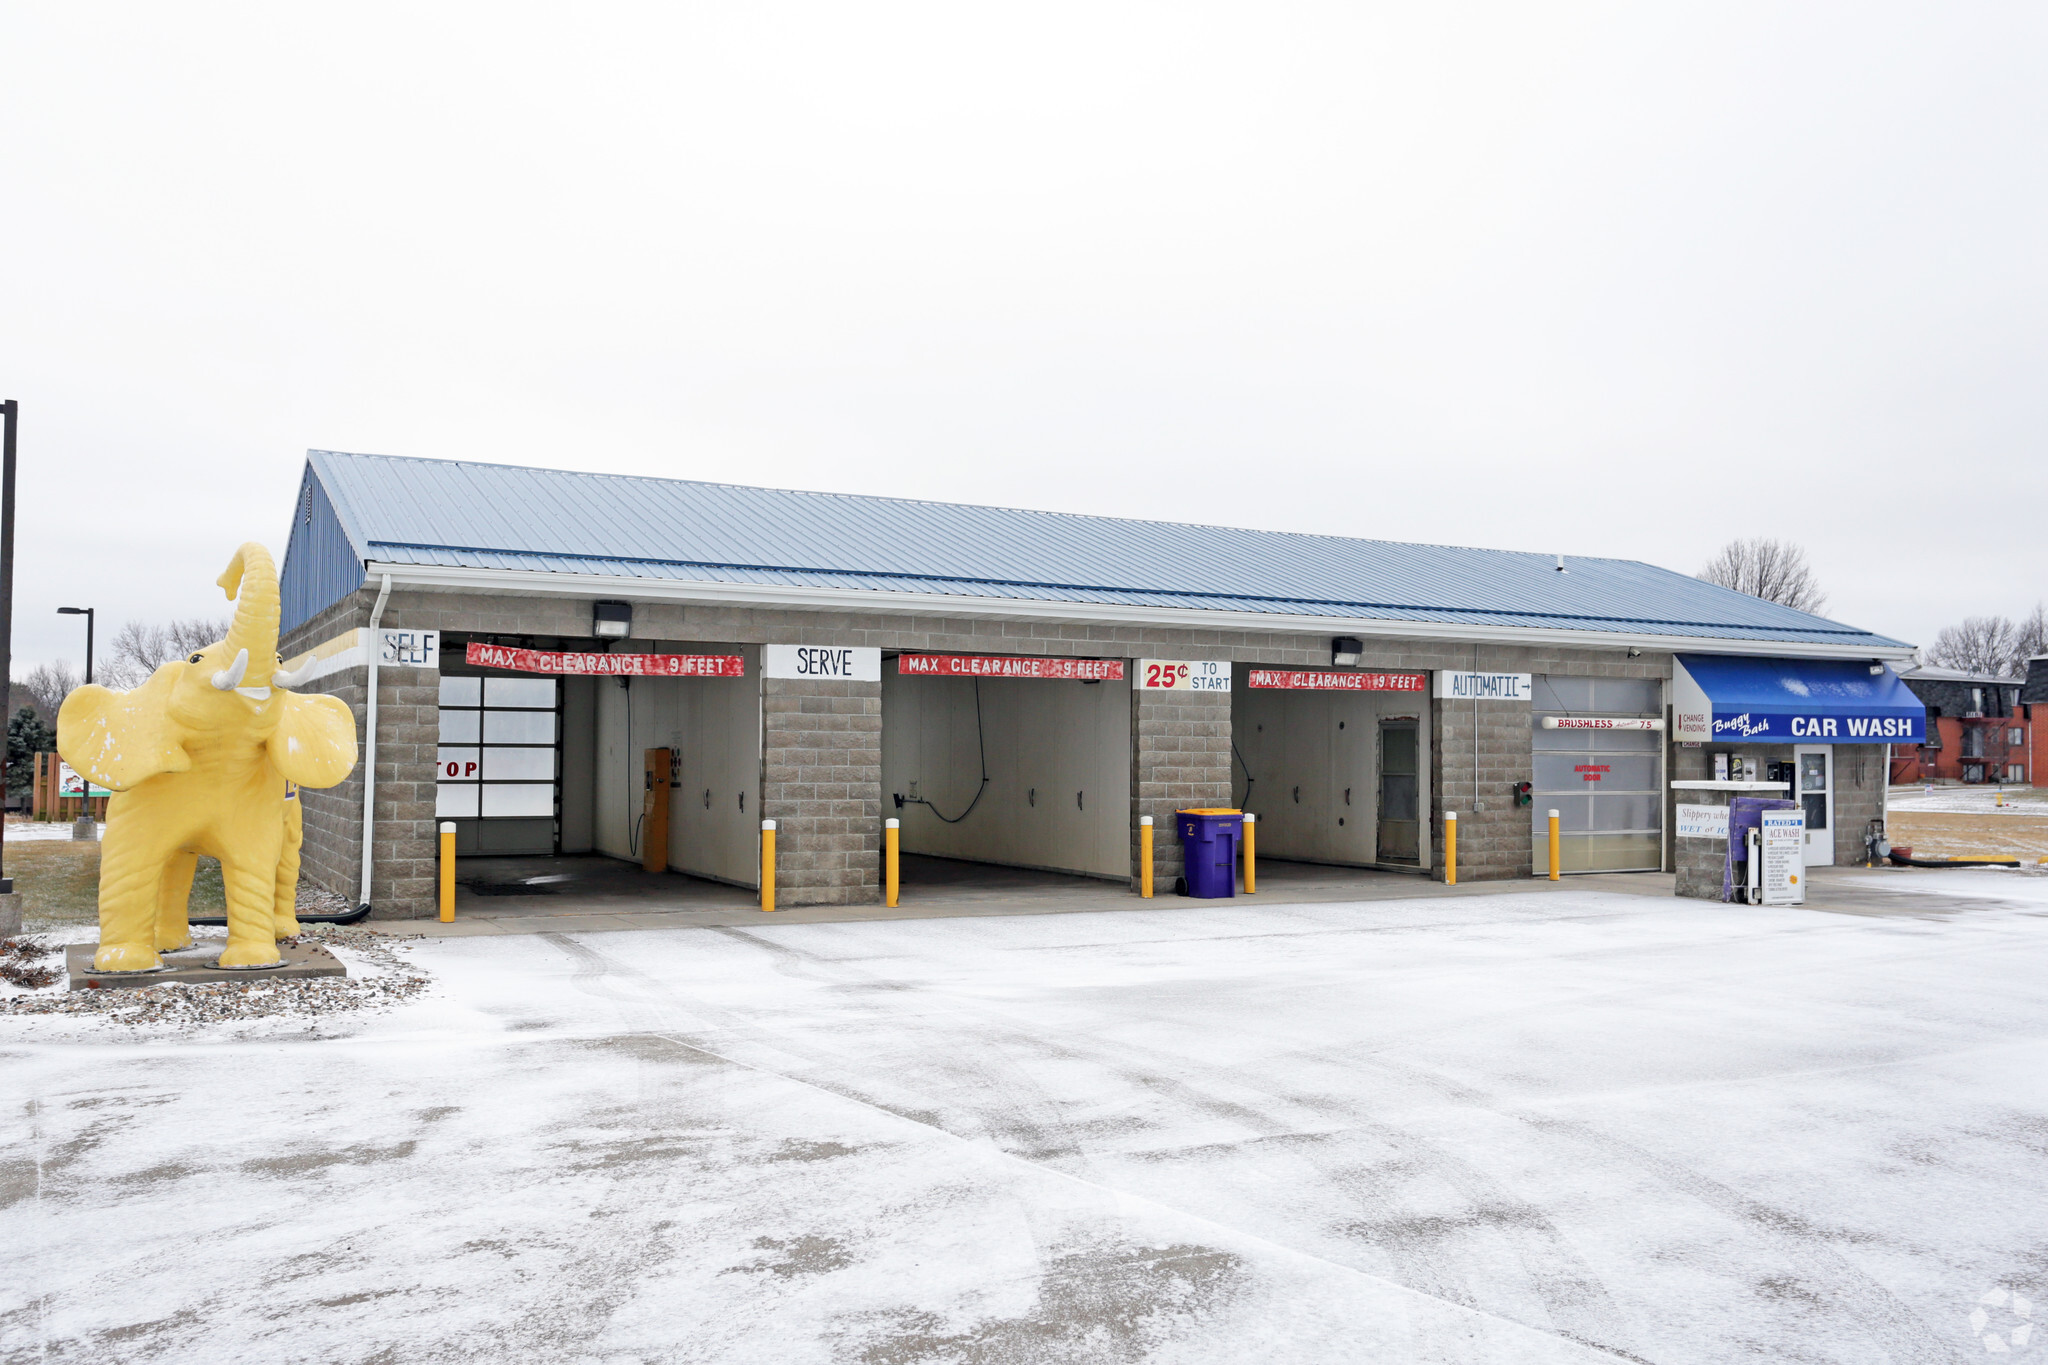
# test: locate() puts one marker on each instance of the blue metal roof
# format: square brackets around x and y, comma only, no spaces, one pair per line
[483,516]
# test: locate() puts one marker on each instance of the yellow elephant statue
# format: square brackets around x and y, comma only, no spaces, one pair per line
[204,759]
[174,895]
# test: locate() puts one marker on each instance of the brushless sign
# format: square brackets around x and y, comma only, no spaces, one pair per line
[1307,680]
[835,662]
[1455,686]
[607,665]
[1177,675]
[984,666]
[1601,723]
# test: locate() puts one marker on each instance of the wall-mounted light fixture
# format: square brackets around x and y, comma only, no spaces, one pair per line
[611,620]
[1876,669]
[1344,651]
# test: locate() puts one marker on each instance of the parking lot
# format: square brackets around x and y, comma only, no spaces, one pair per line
[1534,1125]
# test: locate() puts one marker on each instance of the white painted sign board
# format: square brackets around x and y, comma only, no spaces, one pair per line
[1184,675]
[840,663]
[1455,686]
[1702,822]
[1782,846]
[409,649]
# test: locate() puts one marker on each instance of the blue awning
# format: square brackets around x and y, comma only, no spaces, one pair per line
[1730,698]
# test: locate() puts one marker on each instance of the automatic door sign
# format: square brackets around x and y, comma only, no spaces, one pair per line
[838,663]
[985,666]
[621,665]
[1318,681]
[1783,849]
[1177,675]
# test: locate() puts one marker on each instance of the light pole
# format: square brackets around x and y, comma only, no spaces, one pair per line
[85,828]
[10,909]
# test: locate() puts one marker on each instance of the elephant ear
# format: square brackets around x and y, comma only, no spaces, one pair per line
[120,739]
[315,743]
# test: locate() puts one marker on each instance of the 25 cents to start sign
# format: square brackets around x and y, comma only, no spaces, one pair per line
[1182,675]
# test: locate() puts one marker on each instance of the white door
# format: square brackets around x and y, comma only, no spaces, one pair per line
[1814,768]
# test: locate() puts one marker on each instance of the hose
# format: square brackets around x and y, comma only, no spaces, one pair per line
[980,743]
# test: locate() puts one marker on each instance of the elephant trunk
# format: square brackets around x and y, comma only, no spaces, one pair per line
[251,581]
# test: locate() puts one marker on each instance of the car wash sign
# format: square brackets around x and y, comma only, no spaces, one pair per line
[1726,699]
[985,666]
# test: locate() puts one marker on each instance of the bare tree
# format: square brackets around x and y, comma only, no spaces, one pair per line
[138,650]
[1991,645]
[49,684]
[1775,570]
[2031,639]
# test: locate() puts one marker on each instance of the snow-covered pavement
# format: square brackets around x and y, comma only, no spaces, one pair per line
[1519,1127]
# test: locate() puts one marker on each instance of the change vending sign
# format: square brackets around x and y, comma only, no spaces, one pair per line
[1177,675]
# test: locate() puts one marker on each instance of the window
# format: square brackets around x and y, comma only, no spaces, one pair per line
[2015,736]
[1973,741]
[2015,772]
[497,752]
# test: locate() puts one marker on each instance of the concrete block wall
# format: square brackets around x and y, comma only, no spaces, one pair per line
[1494,834]
[1180,759]
[821,783]
[404,880]
[331,857]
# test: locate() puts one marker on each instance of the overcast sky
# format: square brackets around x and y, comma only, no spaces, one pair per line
[1622,280]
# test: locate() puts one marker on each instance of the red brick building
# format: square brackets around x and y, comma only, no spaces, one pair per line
[1978,730]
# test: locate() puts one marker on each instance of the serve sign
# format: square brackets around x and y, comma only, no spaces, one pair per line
[1181,675]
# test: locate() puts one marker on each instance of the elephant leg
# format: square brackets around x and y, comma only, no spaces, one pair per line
[252,889]
[174,902]
[131,878]
[285,909]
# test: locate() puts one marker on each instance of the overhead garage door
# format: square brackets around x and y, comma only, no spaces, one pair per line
[497,763]
[1607,786]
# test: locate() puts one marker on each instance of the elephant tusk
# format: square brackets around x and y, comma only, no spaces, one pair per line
[230,678]
[284,679]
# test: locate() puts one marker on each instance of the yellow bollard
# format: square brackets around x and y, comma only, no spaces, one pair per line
[1553,845]
[1251,854]
[768,865]
[447,872]
[1450,848]
[1145,856]
[892,834]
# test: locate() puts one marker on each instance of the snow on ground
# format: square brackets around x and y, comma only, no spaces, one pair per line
[1519,1127]
[1973,800]
[20,831]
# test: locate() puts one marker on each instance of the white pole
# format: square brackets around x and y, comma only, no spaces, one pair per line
[370,745]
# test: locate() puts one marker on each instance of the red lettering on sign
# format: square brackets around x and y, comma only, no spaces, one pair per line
[607,665]
[1304,680]
[984,666]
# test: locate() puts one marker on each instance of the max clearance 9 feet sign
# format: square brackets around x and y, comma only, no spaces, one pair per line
[986,666]
[620,665]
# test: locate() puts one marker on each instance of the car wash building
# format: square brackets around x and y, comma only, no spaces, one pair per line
[644,670]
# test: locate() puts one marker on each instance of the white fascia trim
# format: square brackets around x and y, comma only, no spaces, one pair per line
[531,581]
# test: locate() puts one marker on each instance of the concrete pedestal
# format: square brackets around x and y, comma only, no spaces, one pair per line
[10,914]
[301,960]
[1703,863]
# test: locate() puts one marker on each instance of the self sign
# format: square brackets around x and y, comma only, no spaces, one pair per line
[1178,675]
